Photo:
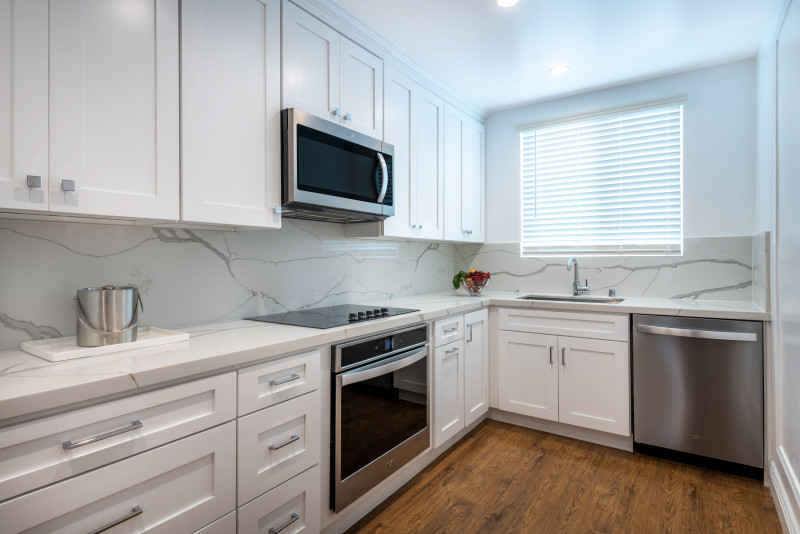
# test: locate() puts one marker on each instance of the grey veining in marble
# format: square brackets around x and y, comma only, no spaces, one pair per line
[718,268]
[190,277]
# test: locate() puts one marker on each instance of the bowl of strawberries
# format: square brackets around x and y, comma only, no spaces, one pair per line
[473,281]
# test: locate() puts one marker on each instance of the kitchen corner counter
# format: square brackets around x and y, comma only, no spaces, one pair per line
[29,384]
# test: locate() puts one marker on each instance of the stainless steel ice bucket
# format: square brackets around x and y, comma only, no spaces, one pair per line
[107,315]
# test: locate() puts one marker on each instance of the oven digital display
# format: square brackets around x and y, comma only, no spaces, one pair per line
[387,343]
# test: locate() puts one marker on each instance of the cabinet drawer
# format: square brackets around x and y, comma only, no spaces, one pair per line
[223,525]
[576,324]
[448,330]
[296,500]
[37,453]
[278,443]
[269,383]
[179,487]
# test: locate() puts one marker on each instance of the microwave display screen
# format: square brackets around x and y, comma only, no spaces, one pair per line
[332,166]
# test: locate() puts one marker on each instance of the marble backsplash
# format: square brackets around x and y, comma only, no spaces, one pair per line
[716,268]
[189,277]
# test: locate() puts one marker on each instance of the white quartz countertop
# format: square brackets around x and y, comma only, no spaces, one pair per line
[29,384]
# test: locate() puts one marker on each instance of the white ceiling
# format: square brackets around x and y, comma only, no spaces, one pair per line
[499,57]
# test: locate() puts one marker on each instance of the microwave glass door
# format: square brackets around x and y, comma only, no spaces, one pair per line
[332,166]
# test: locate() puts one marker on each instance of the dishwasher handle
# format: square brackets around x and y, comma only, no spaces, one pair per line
[701,334]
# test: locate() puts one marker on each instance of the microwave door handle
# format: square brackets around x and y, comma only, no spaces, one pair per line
[384,367]
[384,178]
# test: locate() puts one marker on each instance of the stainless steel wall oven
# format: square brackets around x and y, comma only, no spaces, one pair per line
[380,409]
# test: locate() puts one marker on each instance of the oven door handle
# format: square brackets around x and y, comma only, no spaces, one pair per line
[383,367]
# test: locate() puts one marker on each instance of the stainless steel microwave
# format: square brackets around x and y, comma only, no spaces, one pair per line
[333,173]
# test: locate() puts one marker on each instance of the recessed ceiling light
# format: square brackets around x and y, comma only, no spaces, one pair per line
[506,3]
[558,70]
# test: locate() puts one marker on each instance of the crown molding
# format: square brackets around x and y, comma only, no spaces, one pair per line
[348,25]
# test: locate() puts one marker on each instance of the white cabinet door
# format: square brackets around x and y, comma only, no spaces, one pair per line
[310,64]
[528,374]
[23,103]
[398,104]
[594,386]
[114,112]
[448,391]
[453,171]
[361,90]
[426,178]
[473,181]
[230,112]
[476,365]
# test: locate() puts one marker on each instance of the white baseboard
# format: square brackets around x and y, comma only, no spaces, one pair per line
[785,492]
[584,434]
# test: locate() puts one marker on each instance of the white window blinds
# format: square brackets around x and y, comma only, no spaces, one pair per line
[606,185]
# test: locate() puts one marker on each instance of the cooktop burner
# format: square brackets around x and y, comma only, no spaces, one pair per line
[331,316]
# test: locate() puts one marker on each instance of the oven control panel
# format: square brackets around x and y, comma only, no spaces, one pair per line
[356,352]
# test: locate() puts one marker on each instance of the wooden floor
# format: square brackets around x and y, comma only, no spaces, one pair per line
[504,478]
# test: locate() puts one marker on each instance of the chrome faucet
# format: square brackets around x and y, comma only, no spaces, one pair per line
[577,288]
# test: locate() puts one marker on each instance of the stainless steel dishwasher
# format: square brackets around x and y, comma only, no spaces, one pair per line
[698,391]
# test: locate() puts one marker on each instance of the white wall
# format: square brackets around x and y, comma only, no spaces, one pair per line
[719,148]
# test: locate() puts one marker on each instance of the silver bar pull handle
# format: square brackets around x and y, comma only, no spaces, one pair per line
[136,510]
[700,334]
[563,352]
[336,112]
[294,517]
[551,354]
[69,445]
[450,330]
[470,333]
[384,177]
[34,182]
[68,185]
[292,439]
[348,117]
[451,351]
[293,376]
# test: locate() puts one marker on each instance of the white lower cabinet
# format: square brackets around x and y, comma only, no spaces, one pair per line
[476,365]
[579,381]
[528,374]
[179,487]
[292,507]
[460,374]
[278,443]
[448,398]
[594,385]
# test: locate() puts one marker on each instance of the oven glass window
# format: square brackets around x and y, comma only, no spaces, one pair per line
[333,166]
[379,414]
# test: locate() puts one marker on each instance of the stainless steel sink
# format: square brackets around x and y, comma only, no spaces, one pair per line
[571,298]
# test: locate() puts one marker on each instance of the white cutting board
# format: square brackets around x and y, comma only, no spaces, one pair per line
[66,348]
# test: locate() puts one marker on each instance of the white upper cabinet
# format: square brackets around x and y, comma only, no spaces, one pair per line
[328,75]
[230,112]
[413,125]
[464,177]
[399,92]
[427,123]
[361,89]
[114,112]
[310,64]
[23,104]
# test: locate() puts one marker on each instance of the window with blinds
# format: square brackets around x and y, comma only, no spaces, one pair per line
[604,185]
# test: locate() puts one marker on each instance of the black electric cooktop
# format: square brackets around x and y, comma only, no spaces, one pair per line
[332,315]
